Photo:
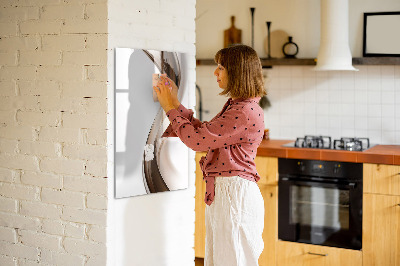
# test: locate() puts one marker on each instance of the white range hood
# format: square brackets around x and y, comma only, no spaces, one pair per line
[334,51]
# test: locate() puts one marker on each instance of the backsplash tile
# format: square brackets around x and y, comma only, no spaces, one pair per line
[364,103]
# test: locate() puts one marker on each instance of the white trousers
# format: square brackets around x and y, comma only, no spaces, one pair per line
[234,223]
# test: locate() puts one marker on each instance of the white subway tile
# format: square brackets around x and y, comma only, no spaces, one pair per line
[334,109]
[374,110]
[348,132]
[348,122]
[388,110]
[374,124]
[310,108]
[361,110]
[388,124]
[322,96]
[361,123]
[374,97]
[348,96]
[375,136]
[347,109]
[388,97]
[389,137]
[322,109]
[335,122]
[322,121]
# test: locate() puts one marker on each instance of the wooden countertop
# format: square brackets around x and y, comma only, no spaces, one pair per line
[379,154]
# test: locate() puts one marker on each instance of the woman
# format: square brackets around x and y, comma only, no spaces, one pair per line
[235,207]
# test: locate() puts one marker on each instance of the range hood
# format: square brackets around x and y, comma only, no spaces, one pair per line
[334,51]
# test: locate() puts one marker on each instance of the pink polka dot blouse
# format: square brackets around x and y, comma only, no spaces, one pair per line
[231,139]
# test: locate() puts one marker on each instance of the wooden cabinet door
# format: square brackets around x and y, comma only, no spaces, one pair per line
[200,207]
[267,168]
[270,233]
[298,254]
[381,179]
[381,230]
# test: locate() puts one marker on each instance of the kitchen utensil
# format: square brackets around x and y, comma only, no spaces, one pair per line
[252,9]
[232,35]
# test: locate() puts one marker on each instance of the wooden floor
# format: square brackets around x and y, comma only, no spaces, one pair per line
[199,262]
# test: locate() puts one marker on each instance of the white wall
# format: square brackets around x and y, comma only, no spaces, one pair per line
[338,104]
[53,107]
[155,229]
[299,18]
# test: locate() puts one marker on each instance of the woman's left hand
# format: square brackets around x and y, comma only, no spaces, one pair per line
[163,90]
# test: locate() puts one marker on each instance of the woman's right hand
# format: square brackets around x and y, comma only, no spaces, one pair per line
[174,90]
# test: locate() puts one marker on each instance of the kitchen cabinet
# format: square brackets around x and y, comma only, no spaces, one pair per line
[291,253]
[381,230]
[270,233]
[267,167]
[381,215]
[200,207]
[381,179]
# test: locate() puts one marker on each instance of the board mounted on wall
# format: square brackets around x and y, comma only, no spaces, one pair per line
[381,34]
[144,162]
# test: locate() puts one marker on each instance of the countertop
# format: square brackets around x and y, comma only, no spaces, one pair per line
[379,154]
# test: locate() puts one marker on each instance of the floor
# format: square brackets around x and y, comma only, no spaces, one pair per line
[199,262]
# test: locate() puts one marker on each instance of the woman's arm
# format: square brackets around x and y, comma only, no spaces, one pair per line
[187,113]
[228,129]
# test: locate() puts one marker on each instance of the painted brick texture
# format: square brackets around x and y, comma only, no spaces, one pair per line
[53,111]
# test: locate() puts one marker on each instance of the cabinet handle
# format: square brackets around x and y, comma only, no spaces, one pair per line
[318,254]
[398,204]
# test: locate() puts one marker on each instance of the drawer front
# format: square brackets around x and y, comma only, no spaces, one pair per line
[267,168]
[294,254]
[381,179]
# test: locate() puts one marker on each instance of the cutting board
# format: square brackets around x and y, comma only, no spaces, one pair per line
[232,35]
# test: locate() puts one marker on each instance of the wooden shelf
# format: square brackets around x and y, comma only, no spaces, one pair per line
[312,61]
[376,61]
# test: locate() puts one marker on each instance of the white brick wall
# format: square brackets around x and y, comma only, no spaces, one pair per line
[53,154]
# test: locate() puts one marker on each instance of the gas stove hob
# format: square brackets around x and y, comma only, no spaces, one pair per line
[325,142]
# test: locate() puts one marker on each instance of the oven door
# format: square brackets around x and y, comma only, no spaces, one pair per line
[321,212]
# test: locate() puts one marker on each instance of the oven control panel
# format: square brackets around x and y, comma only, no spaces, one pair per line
[330,169]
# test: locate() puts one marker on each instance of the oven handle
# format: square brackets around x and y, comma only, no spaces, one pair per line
[298,181]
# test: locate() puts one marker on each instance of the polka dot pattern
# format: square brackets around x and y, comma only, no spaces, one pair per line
[231,139]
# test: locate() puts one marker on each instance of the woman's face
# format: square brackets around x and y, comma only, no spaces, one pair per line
[222,76]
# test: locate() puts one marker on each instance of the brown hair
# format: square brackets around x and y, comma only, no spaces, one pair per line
[245,78]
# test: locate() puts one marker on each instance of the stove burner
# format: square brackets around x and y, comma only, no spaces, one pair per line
[324,142]
[351,144]
[308,141]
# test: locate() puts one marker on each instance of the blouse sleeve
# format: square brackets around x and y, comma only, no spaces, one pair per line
[225,130]
[186,113]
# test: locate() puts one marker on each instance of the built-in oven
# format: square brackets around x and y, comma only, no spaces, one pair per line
[320,202]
